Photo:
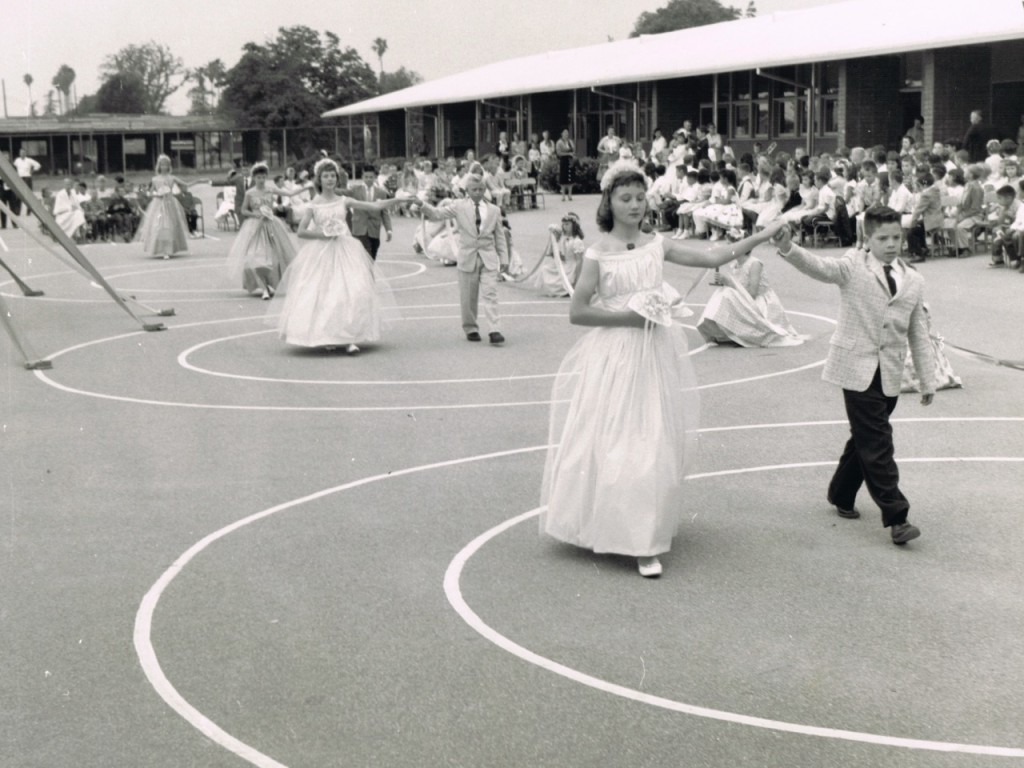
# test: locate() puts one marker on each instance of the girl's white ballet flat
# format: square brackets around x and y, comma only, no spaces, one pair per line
[650,568]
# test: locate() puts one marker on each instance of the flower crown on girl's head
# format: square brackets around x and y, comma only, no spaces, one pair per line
[619,168]
[259,167]
[326,161]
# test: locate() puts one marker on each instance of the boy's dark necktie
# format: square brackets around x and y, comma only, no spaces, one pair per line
[890,279]
[476,207]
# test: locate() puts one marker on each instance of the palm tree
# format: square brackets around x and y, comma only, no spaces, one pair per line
[28,81]
[62,82]
[380,47]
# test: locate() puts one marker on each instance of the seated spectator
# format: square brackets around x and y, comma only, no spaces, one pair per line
[722,215]
[1007,228]
[67,210]
[693,197]
[188,204]
[121,215]
[779,197]
[825,210]
[970,212]
[808,199]
[926,218]
[899,196]
[494,182]
[521,184]
[994,161]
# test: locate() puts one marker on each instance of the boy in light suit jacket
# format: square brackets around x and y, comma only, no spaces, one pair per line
[366,224]
[482,255]
[881,309]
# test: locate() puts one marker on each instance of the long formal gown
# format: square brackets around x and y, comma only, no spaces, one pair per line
[548,280]
[262,251]
[332,294]
[623,423]
[750,321]
[163,230]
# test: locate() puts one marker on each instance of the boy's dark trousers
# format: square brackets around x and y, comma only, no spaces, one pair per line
[868,457]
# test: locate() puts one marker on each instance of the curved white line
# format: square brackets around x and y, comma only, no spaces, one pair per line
[454,594]
[182,360]
[142,633]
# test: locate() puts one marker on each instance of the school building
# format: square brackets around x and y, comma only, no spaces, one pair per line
[853,74]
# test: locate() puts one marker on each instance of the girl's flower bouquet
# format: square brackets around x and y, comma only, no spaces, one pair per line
[334,227]
[660,306]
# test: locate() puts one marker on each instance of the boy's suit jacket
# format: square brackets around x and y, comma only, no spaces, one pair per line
[489,244]
[368,222]
[929,209]
[874,327]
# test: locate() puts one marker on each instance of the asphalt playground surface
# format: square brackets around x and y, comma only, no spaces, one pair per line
[220,551]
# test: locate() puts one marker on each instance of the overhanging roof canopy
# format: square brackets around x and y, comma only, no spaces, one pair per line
[823,33]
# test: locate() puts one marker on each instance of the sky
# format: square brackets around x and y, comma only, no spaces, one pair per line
[432,37]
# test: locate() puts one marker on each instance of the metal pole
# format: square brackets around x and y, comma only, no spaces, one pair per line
[812,98]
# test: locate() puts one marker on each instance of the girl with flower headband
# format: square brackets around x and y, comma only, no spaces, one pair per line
[624,405]
[332,294]
[263,249]
[562,259]
[163,230]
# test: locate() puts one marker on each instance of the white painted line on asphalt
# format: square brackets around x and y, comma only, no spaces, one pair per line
[454,594]
[143,642]
[142,635]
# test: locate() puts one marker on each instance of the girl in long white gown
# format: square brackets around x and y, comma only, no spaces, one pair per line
[624,406]
[163,230]
[745,310]
[332,294]
[263,249]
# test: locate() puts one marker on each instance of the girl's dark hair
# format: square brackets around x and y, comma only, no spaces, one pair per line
[577,230]
[778,176]
[729,175]
[703,176]
[604,208]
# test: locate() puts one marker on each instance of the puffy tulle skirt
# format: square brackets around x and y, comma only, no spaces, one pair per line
[163,230]
[260,254]
[732,315]
[331,294]
[623,432]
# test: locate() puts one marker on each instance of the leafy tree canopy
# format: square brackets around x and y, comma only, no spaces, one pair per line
[153,66]
[293,79]
[399,79]
[122,94]
[683,14]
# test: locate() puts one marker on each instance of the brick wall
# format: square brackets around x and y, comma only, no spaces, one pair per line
[869,102]
[956,80]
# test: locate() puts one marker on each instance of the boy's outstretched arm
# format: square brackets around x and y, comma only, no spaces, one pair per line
[825,270]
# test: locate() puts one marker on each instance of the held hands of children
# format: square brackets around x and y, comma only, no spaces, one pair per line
[782,238]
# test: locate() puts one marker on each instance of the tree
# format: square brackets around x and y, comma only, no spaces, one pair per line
[209,80]
[380,47]
[293,79]
[50,110]
[31,104]
[751,11]
[399,79]
[62,82]
[88,104]
[150,64]
[121,94]
[683,14]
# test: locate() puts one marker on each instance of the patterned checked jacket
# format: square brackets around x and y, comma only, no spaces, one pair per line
[874,328]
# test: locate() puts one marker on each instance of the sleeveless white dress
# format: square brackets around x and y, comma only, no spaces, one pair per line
[623,423]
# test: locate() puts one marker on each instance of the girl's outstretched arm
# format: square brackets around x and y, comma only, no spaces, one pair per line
[687,255]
